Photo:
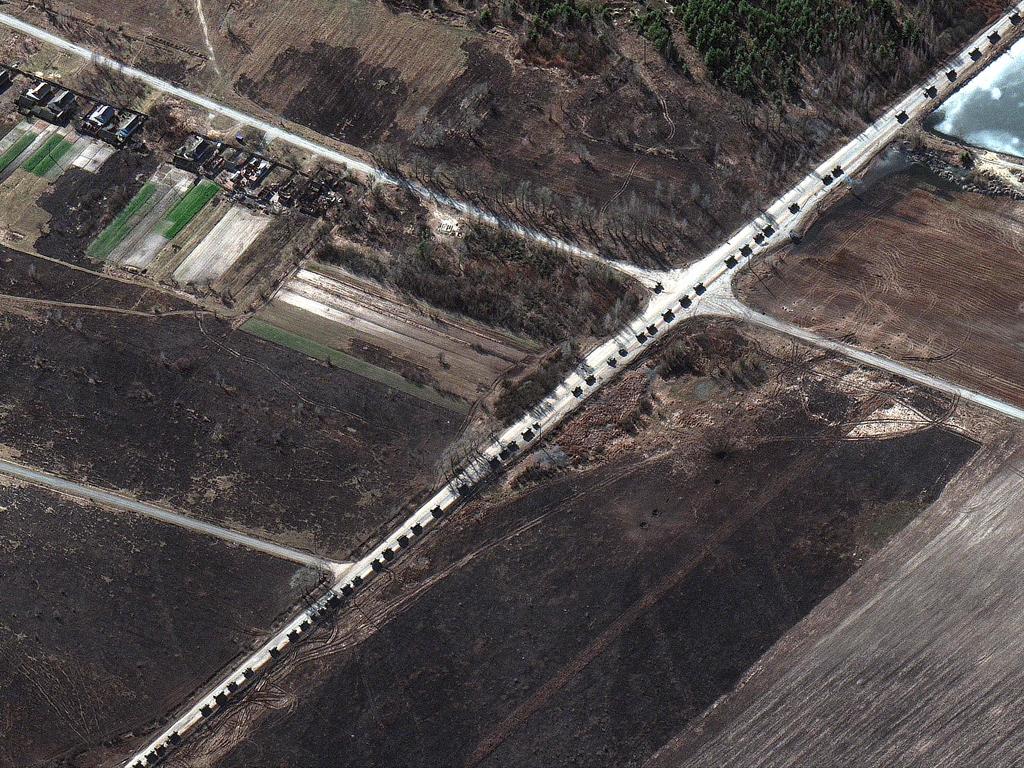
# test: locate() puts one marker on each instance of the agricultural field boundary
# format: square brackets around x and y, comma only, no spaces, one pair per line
[275,335]
[47,156]
[119,228]
[20,145]
[189,207]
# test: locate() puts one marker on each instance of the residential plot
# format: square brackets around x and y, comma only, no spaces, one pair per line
[46,150]
[620,579]
[183,409]
[82,202]
[367,320]
[107,620]
[227,241]
[137,233]
[34,157]
[917,271]
[138,249]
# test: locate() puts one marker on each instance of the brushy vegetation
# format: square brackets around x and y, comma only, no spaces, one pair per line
[504,281]
[116,231]
[189,206]
[755,48]
[521,394]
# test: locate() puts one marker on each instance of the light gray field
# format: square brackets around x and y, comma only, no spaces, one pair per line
[222,247]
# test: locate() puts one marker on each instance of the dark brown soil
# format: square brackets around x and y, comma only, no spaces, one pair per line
[81,204]
[358,113]
[108,620]
[31,277]
[582,620]
[916,271]
[216,422]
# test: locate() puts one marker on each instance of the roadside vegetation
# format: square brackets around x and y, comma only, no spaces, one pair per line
[520,394]
[501,280]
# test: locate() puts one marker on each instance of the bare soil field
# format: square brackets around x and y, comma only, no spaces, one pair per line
[366,319]
[108,620]
[915,662]
[914,270]
[618,580]
[222,247]
[214,421]
[590,132]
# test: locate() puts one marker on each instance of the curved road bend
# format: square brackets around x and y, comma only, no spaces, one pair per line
[116,501]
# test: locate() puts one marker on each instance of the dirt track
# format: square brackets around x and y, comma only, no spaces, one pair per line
[616,583]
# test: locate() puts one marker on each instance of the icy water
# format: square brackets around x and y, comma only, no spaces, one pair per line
[989,111]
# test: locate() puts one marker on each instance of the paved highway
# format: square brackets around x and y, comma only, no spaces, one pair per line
[685,290]
[116,501]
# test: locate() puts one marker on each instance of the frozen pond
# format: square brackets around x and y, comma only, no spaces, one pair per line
[989,111]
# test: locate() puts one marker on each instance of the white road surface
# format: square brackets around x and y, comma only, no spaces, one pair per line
[682,296]
[729,306]
[278,133]
[116,501]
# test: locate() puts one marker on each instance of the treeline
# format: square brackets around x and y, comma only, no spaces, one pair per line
[757,47]
[504,281]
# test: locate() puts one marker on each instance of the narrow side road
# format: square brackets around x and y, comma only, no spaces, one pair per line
[727,305]
[682,296]
[116,501]
[278,133]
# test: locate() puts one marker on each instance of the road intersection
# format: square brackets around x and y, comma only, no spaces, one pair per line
[703,288]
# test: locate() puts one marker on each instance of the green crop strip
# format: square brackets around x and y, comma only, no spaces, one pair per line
[188,207]
[354,365]
[16,149]
[118,229]
[48,155]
